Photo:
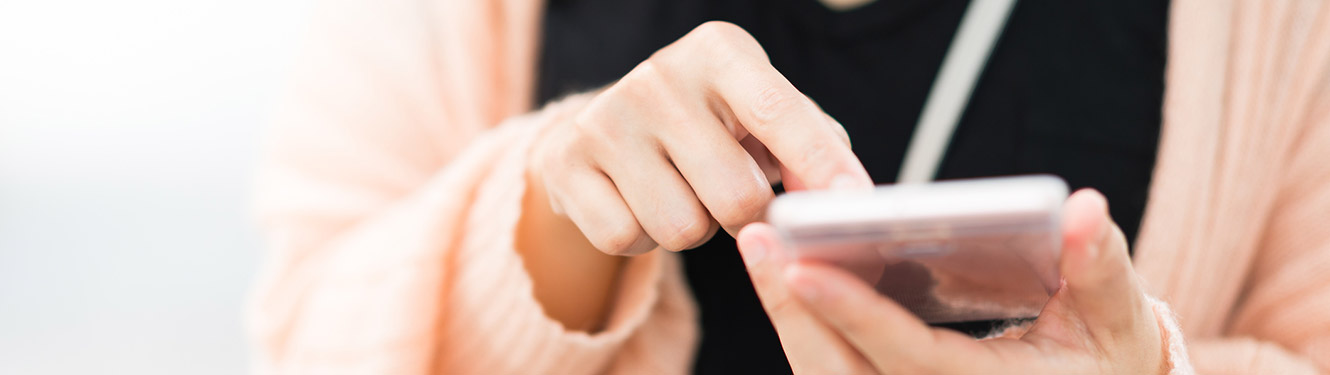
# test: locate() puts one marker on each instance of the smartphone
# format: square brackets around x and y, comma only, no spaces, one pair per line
[951,251]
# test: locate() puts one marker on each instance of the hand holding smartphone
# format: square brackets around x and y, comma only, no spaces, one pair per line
[953,251]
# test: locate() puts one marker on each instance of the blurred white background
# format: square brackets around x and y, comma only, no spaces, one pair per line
[128,131]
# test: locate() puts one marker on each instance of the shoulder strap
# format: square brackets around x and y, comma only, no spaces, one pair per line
[965,60]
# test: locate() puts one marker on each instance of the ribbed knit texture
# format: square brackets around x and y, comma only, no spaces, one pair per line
[1236,235]
[392,183]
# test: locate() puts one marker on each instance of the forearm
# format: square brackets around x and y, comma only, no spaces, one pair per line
[428,279]
[571,279]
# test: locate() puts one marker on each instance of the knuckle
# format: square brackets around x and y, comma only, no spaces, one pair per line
[595,128]
[543,157]
[557,147]
[721,36]
[646,80]
[689,234]
[773,103]
[712,228]
[643,102]
[622,239]
[719,30]
[587,121]
[562,152]
[640,91]
[747,204]
[556,165]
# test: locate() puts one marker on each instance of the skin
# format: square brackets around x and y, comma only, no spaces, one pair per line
[830,321]
[687,143]
[844,5]
[690,141]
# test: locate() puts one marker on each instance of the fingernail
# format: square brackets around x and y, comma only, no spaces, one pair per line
[847,182]
[754,253]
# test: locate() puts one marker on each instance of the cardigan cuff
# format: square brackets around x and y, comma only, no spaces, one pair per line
[1175,346]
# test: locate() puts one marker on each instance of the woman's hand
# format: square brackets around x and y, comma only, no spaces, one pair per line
[1098,322]
[688,142]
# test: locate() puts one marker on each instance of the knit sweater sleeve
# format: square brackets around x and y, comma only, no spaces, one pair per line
[391,219]
[1282,321]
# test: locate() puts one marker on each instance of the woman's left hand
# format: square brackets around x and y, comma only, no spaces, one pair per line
[1100,321]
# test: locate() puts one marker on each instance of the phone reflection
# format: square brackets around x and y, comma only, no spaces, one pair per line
[946,279]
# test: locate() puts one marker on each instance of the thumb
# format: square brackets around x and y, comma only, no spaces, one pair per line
[1100,282]
[810,345]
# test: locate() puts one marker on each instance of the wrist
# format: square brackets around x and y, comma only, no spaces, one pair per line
[571,279]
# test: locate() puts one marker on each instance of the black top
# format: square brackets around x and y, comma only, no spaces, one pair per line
[1074,88]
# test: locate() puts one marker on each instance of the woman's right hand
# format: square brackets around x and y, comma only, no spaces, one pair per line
[688,142]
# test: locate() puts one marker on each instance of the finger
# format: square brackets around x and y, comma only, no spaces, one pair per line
[711,232]
[595,206]
[795,132]
[770,167]
[892,338]
[811,346]
[839,129]
[791,181]
[794,129]
[835,125]
[724,177]
[1100,283]
[773,169]
[661,201]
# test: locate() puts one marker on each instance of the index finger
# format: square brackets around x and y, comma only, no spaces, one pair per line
[792,127]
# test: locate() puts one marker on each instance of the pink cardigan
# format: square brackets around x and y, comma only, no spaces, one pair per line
[392,183]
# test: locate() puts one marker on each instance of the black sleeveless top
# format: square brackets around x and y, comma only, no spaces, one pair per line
[1074,88]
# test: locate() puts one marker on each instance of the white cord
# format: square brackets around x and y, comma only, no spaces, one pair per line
[965,60]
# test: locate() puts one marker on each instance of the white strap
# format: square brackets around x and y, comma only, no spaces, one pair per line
[965,60]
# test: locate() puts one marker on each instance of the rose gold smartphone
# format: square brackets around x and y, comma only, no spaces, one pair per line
[952,251]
